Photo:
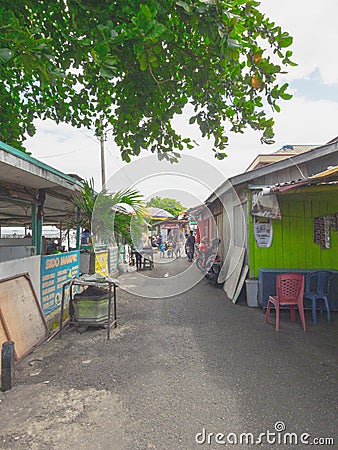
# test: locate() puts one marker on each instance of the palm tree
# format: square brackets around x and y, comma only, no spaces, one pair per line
[110,215]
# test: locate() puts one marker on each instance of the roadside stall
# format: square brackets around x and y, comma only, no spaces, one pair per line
[32,196]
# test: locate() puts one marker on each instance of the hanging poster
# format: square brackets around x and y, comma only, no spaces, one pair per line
[101,263]
[263,232]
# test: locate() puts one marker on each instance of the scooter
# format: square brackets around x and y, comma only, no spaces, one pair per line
[214,271]
[208,261]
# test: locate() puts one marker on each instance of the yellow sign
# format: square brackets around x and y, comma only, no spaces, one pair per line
[101,263]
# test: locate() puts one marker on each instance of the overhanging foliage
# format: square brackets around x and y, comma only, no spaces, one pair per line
[136,65]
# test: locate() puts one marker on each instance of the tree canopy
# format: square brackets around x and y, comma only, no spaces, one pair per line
[171,205]
[136,65]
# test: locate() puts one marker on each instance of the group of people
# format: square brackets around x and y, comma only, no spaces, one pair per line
[171,248]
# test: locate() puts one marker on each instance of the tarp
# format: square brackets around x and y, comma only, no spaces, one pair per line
[265,206]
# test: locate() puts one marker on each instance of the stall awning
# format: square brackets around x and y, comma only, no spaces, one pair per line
[25,181]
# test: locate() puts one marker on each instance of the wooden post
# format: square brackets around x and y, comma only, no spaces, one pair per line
[7,366]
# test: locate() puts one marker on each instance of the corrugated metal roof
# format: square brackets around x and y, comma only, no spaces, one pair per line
[327,177]
[296,149]
[316,154]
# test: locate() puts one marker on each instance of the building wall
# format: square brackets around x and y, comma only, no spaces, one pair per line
[30,265]
[293,237]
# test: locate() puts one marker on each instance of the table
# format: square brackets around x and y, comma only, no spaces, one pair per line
[110,283]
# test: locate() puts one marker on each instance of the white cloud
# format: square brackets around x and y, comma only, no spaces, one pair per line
[313,26]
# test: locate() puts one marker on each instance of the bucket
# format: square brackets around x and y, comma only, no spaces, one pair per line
[251,285]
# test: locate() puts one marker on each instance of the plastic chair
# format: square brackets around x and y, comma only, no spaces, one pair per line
[317,287]
[290,290]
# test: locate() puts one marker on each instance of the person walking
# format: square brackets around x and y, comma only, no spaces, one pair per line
[190,245]
[176,249]
[138,257]
[162,249]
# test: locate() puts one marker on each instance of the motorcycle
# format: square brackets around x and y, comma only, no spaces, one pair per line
[214,271]
[208,261]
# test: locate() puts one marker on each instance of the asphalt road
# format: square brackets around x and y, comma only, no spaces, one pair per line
[179,372]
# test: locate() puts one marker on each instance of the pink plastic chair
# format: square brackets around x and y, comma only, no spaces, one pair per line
[290,290]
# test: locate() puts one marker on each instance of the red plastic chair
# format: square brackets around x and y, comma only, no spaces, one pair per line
[290,290]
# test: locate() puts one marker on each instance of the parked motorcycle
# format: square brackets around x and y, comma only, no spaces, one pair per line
[208,260]
[214,271]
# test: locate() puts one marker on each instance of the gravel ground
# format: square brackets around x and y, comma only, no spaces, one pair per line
[173,368]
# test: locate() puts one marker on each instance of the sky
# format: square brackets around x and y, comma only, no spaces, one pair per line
[309,118]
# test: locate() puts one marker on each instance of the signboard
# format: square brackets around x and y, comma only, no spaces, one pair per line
[113,259]
[101,263]
[55,271]
[263,232]
[171,226]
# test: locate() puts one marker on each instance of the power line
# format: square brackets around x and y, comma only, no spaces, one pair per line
[64,154]
[72,151]
[88,136]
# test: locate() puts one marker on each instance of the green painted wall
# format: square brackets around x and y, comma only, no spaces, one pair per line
[292,245]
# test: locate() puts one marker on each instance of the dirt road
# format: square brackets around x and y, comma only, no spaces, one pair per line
[176,369]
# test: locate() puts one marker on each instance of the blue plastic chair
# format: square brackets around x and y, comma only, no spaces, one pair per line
[317,287]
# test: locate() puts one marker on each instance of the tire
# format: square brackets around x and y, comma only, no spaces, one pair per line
[199,264]
[209,263]
[214,279]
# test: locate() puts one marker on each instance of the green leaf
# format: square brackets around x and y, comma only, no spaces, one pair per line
[184,5]
[285,41]
[5,55]
[101,48]
[285,96]
[145,11]
[142,58]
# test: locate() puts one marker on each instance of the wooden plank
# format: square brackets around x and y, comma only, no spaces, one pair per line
[234,272]
[308,225]
[240,283]
[295,236]
[21,314]
[284,255]
[301,227]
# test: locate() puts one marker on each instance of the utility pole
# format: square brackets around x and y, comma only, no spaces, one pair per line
[103,166]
